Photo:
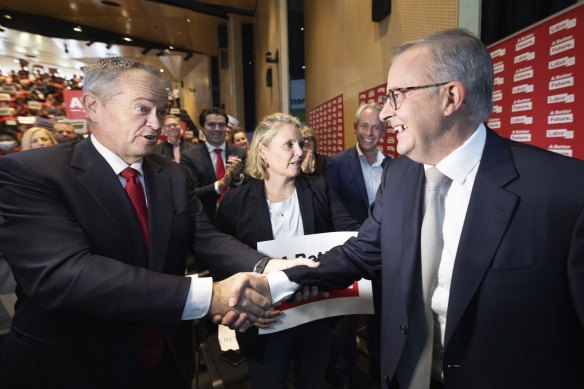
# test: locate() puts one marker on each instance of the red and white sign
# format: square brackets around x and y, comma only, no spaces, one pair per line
[537,75]
[355,300]
[73,106]
[327,121]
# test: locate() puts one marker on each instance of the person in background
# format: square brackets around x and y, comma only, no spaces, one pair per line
[174,145]
[103,300]
[480,239]
[215,165]
[239,139]
[355,175]
[64,132]
[8,141]
[314,163]
[280,203]
[37,137]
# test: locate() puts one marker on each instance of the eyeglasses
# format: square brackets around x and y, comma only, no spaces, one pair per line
[396,95]
[213,125]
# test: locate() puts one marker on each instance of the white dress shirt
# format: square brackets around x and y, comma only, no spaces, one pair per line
[371,173]
[197,303]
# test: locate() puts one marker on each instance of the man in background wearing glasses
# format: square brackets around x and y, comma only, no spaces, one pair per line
[214,164]
[483,276]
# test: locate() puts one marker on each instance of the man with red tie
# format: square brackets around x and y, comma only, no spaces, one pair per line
[215,165]
[96,232]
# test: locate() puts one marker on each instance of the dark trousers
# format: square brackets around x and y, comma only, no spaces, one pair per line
[305,348]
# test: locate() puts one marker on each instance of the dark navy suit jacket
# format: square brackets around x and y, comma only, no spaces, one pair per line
[516,310]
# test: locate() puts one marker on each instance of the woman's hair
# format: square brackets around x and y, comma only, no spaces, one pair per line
[308,132]
[264,133]
[236,130]
[28,134]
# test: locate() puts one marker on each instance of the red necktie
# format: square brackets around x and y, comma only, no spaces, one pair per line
[136,194]
[154,338]
[220,171]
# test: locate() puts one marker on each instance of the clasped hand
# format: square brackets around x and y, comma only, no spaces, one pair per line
[244,299]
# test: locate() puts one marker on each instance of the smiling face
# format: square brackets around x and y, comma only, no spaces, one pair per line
[418,121]
[214,129]
[129,121]
[369,129]
[172,128]
[284,154]
[240,141]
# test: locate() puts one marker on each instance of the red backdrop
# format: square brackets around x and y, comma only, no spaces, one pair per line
[327,121]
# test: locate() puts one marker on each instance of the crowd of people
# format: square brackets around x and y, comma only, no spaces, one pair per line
[474,242]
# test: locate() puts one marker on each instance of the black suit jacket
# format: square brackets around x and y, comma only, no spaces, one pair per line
[244,214]
[86,286]
[198,160]
[345,176]
[165,148]
[516,310]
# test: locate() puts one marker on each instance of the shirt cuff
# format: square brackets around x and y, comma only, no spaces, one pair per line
[216,186]
[280,286]
[199,298]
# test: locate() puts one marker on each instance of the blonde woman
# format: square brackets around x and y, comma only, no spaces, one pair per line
[36,138]
[279,202]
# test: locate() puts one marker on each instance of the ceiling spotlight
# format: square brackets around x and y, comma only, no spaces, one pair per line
[2,29]
[188,56]
[127,39]
[78,29]
[170,47]
[7,17]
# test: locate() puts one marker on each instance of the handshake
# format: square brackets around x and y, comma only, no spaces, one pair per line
[245,299]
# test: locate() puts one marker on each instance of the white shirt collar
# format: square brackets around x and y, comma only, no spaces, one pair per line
[210,147]
[116,163]
[458,164]
[380,157]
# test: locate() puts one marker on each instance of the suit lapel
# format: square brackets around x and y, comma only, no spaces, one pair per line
[259,208]
[488,215]
[354,165]
[104,186]
[207,163]
[306,203]
[160,212]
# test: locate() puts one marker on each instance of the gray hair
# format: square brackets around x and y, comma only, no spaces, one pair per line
[459,55]
[265,131]
[100,77]
[363,107]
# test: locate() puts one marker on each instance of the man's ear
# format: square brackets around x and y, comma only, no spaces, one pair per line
[91,105]
[455,94]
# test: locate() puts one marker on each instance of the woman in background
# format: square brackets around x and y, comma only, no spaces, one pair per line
[239,139]
[280,203]
[314,163]
[36,138]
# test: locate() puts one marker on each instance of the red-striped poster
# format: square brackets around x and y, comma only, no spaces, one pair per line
[537,75]
[327,120]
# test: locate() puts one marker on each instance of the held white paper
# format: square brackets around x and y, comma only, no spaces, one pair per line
[355,300]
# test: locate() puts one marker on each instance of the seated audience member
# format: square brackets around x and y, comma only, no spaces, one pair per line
[174,145]
[280,203]
[215,165]
[36,138]
[239,139]
[314,163]
[8,141]
[64,132]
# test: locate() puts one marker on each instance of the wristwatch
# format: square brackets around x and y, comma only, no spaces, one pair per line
[260,266]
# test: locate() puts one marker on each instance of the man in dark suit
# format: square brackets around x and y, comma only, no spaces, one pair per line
[355,174]
[214,158]
[102,297]
[507,299]
[174,145]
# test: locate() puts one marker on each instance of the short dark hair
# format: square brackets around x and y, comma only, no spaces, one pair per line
[211,111]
